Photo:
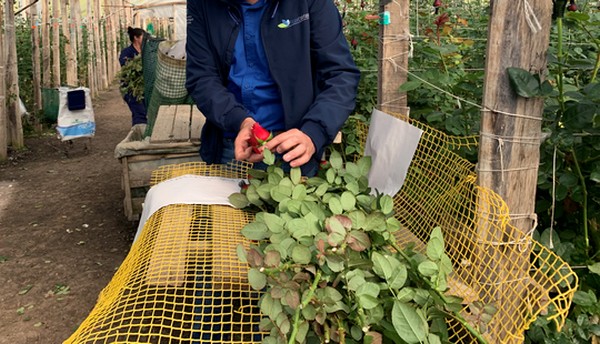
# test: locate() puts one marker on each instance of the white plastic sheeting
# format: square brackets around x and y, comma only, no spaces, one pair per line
[163,9]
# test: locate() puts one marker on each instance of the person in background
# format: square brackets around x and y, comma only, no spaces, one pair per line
[137,107]
[282,63]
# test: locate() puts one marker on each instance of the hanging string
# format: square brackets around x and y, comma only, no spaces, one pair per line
[531,18]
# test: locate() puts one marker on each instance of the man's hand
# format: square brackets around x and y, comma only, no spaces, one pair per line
[297,148]
[242,149]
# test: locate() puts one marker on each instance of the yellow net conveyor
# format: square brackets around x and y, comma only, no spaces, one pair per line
[183,283]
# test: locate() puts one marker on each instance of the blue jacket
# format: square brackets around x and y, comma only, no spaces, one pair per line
[308,57]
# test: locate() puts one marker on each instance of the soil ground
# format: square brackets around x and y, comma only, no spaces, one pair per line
[63,233]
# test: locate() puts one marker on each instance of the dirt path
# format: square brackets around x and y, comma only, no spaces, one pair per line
[62,229]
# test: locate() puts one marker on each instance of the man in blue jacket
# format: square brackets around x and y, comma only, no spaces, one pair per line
[283,63]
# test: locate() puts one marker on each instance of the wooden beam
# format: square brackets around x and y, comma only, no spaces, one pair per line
[394,34]
[509,148]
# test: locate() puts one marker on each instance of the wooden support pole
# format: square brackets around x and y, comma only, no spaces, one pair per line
[76,37]
[92,58]
[101,46]
[35,57]
[46,75]
[15,126]
[394,34]
[70,43]
[509,152]
[108,11]
[56,82]
[3,114]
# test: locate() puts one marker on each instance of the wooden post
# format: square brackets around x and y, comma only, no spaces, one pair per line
[15,126]
[56,43]
[46,76]
[3,114]
[108,9]
[70,43]
[92,58]
[100,47]
[509,152]
[35,58]
[393,55]
[76,34]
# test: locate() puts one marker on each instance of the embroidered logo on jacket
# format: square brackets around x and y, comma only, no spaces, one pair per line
[287,23]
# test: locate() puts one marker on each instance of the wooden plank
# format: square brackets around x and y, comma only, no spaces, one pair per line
[198,120]
[163,127]
[181,126]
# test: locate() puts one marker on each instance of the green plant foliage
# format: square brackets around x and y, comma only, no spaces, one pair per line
[132,78]
[325,256]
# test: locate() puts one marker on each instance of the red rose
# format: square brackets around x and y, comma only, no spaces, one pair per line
[261,134]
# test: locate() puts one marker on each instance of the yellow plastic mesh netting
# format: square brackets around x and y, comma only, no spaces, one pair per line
[182,281]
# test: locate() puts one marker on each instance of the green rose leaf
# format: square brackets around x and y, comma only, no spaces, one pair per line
[594,268]
[358,241]
[268,157]
[398,277]
[348,201]
[358,219]
[409,324]
[253,196]
[523,83]
[239,200]
[375,222]
[241,253]
[264,191]
[335,205]
[302,332]
[299,192]
[386,204]
[255,231]
[336,160]
[257,279]
[280,193]
[382,266]
[309,312]
[364,165]
[296,175]
[322,189]
[435,246]
[428,268]
[330,176]
[335,263]
[272,259]
[368,295]
[274,222]
[355,282]
[301,254]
